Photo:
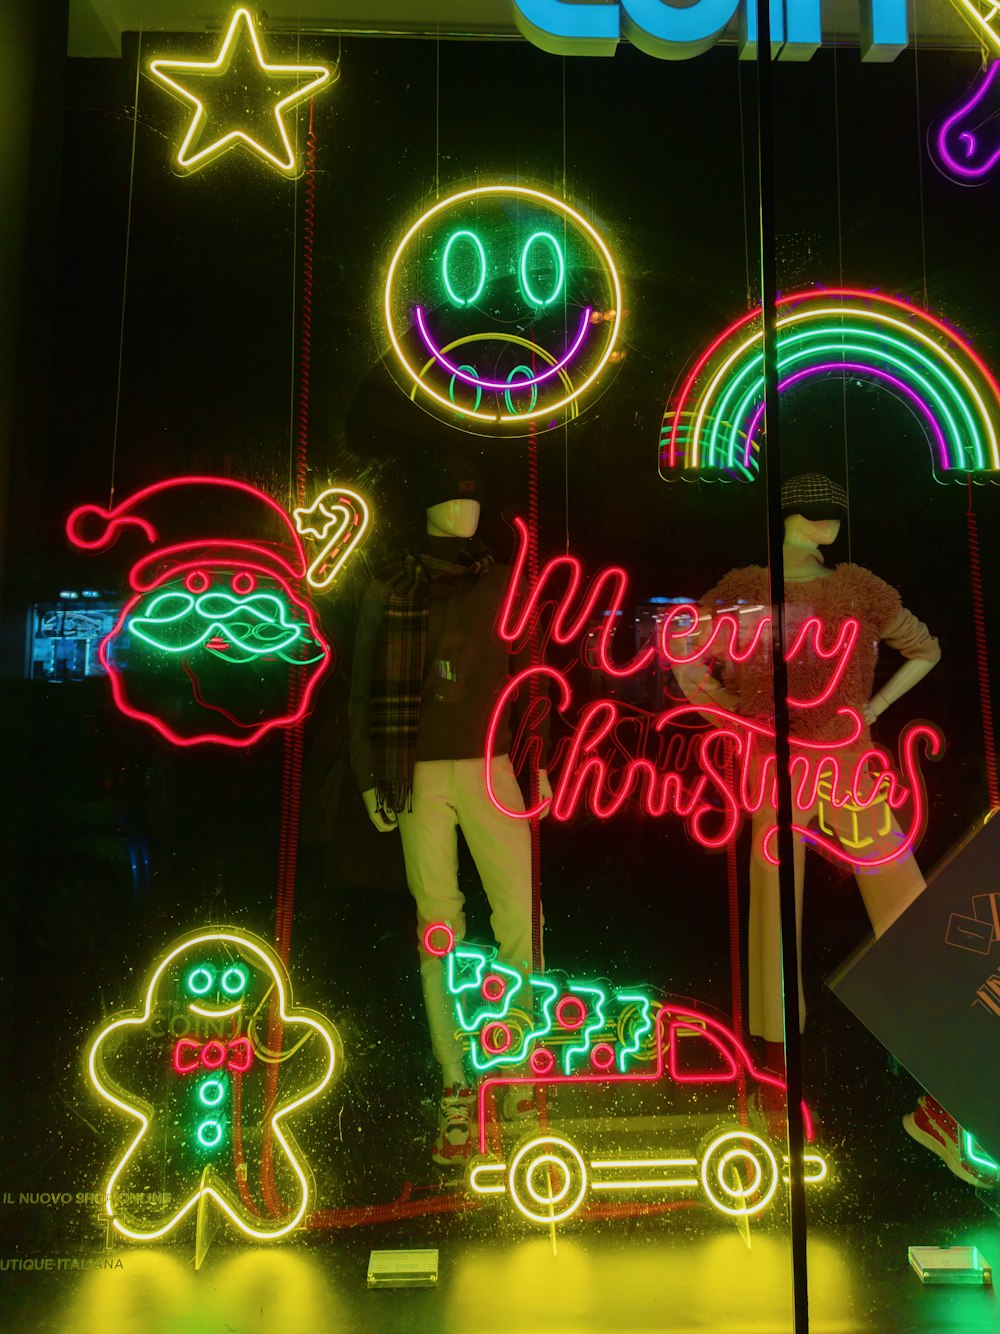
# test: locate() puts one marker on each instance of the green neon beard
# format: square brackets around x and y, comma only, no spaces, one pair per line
[176,622]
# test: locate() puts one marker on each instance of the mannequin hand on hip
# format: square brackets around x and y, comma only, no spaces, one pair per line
[384,821]
[872,709]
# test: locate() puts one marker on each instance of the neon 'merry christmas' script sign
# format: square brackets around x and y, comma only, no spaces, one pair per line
[734,771]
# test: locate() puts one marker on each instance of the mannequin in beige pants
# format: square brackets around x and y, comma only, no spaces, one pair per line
[449,793]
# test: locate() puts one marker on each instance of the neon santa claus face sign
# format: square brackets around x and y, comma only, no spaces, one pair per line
[218,642]
[503,307]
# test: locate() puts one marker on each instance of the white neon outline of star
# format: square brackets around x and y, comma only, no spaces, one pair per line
[221,64]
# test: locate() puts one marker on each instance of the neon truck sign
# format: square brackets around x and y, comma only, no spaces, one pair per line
[670,32]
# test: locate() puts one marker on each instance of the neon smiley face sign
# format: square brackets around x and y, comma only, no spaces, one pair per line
[503,308]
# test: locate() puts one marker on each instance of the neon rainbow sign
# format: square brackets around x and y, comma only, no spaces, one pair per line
[206,649]
[214,1115]
[713,425]
[588,1034]
[846,773]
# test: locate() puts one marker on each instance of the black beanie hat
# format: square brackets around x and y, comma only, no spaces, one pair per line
[448,477]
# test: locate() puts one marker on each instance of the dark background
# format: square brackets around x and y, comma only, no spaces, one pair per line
[661,158]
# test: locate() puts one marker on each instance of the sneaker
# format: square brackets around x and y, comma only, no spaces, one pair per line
[454,1134]
[518,1103]
[930,1125]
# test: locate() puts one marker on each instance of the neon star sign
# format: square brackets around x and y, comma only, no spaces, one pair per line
[239,99]
[842,774]
[205,1113]
[591,1035]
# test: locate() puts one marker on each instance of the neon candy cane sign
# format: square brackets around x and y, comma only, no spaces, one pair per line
[338,519]
[734,759]
[206,648]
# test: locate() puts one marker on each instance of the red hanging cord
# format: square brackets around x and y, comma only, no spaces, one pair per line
[982,657]
[291,769]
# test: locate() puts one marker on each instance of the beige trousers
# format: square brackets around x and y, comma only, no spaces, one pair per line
[449,795]
[886,891]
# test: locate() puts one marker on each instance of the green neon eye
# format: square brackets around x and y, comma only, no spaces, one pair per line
[210,1133]
[446,265]
[528,374]
[200,981]
[234,980]
[211,1092]
[470,370]
[559,264]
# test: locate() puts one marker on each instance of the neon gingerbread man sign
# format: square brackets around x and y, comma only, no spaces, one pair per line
[205,1108]
[863,780]
[219,643]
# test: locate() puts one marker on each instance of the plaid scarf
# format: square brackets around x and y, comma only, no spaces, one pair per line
[398,666]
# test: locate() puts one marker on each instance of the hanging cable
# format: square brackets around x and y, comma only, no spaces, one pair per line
[743,180]
[982,656]
[128,244]
[920,165]
[437,115]
[840,275]
[292,748]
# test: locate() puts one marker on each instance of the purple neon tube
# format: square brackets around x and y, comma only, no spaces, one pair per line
[870,371]
[490,384]
[950,162]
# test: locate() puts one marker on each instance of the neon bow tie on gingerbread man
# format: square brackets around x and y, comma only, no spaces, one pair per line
[212,1066]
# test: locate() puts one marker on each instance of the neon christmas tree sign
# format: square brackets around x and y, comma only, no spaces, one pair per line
[503,309]
[209,1117]
[220,621]
[713,425]
[552,1030]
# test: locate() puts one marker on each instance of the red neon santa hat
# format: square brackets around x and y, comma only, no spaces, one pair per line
[237,520]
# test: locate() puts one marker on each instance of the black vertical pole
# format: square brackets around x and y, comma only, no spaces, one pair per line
[775,533]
